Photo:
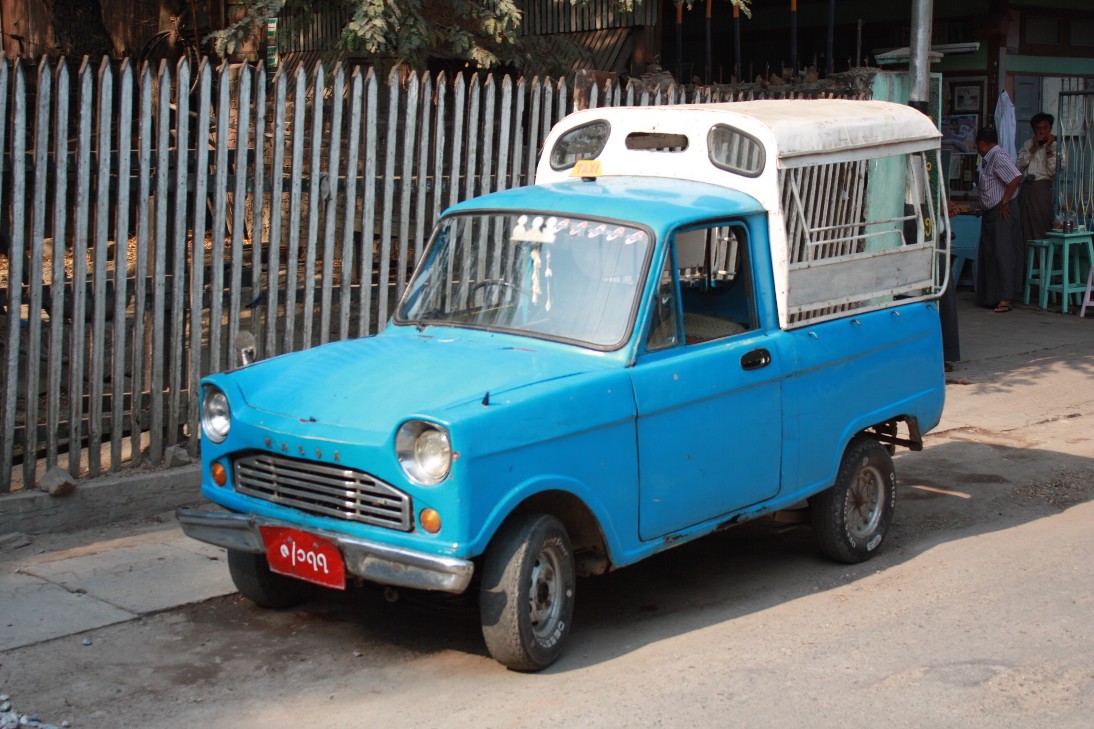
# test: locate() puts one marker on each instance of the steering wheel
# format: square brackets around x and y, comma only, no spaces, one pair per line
[500,282]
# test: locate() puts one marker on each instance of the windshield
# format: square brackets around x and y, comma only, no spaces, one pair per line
[565,278]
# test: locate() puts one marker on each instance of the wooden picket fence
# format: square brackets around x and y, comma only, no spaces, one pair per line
[150,216]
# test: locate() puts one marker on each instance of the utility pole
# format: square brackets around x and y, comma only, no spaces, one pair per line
[920,61]
[919,67]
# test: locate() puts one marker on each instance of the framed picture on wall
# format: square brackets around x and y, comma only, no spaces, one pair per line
[959,133]
[966,97]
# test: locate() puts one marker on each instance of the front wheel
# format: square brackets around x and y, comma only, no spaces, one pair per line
[253,578]
[527,597]
[852,517]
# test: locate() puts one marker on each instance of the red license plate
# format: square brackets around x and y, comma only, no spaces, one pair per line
[304,556]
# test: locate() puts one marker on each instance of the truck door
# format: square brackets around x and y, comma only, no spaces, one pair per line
[708,387]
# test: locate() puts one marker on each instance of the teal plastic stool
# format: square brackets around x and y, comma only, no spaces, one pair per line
[1071,247]
[1035,274]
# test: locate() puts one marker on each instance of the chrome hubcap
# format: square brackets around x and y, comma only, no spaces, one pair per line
[865,499]
[544,603]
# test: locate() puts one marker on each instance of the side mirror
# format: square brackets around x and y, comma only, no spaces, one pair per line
[246,347]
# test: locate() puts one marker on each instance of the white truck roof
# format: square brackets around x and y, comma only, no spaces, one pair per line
[799,131]
[836,128]
[758,147]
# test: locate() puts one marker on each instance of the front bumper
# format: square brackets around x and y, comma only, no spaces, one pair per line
[372,561]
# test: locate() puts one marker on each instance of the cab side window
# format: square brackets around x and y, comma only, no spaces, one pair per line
[663,332]
[716,289]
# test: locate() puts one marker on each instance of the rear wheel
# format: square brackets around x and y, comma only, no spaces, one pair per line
[526,601]
[852,518]
[255,581]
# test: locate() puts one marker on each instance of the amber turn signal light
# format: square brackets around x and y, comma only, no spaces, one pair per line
[219,473]
[431,520]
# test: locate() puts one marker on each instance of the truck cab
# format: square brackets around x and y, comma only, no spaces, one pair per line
[697,316]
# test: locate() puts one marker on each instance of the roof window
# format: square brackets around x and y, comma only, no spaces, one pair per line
[584,142]
[733,150]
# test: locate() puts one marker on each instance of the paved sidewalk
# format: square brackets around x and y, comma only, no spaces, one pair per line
[1020,368]
[67,585]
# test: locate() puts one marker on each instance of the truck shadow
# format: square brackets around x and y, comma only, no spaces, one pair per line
[951,491]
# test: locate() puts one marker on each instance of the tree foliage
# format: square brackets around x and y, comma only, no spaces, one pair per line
[394,32]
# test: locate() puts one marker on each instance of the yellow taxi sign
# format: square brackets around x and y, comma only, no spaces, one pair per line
[587,168]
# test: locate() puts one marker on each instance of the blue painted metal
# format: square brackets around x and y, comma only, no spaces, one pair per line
[661,447]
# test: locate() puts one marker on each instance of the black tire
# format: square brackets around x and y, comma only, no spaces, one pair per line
[526,602]
[254,580]
[852,517]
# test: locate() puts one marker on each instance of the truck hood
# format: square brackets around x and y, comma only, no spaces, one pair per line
[376,382]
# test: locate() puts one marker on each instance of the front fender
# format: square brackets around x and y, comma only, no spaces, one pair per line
[610,521]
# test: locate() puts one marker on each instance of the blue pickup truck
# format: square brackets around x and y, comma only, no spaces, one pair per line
[697,316]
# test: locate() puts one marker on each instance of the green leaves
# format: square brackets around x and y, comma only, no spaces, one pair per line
[410,32]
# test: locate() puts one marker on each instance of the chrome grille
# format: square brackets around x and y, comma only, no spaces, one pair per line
[323,490]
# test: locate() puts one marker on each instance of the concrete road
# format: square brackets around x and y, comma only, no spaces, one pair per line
[979,612]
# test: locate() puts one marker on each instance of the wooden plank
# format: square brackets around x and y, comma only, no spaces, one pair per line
[421,227]
[473,125]
[459,107]
[331,202]
[564,106]
[102,220]
[489,123]
[261,209]
[220,217]
[391,144]
[176,370]
[474,122]
[37,236]
[438,149]
[505,117]
[201,120]
[296,180]
[549,92]
[368,221]
[159,290]
[15,269]
[533,141]
[79,248]
[410,133]
[60,220]
[518,134]
[239,210]
[277,202]
[311,251]
[121,261]
[353,159]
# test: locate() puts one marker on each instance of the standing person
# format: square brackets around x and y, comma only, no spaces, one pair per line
[1000,270]
[947,310]
[1037,161]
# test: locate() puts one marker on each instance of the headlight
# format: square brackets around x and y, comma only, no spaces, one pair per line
[424,452]
[216,415]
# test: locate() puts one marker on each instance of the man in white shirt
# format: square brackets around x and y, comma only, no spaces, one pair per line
[1037,161]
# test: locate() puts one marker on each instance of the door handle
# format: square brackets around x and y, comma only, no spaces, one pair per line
[755,359]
